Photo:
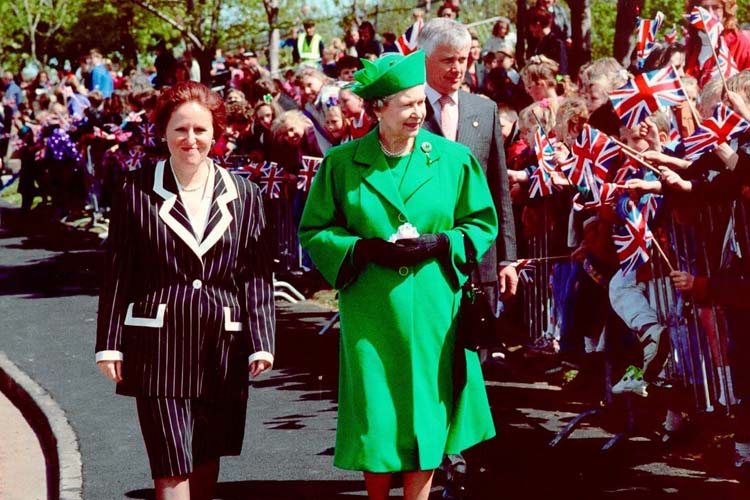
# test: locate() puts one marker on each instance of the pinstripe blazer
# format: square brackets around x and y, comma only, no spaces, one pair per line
[479,130]
[185,315]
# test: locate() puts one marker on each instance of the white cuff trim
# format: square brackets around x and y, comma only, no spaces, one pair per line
[263,355]
[108,356]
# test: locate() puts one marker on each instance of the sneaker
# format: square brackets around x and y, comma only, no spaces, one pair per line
[655,344]
[631,381]
[542,347]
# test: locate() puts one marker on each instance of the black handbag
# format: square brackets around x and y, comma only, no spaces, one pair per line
[476,319]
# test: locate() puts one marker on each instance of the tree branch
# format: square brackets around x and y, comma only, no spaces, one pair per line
[180,27]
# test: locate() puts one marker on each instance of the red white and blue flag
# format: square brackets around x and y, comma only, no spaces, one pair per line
[254,168]
[541,178]
[307,172]
[726,64]
[646,94]
[148,134]
[591,156]
[632,240]
[134,159]
[704,21]
[270,180]
[407,43]
[646,30]
[723,126]
[671,36]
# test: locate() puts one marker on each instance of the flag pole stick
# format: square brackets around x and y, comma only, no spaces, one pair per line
[663,255]
[632,153]
[693,111]
[713,52]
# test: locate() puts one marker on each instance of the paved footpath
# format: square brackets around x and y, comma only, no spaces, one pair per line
[48,308]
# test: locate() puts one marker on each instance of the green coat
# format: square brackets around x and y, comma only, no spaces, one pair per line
[397,410]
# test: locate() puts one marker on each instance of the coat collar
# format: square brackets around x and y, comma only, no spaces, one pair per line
[421,169]
[174,214]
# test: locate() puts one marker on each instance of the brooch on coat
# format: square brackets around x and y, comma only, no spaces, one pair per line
[426,148]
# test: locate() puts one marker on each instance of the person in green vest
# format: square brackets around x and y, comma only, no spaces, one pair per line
[309,45]
[395,221]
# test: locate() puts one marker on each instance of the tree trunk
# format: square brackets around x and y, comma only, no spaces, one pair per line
[272,12]
[627,12]
[580,20]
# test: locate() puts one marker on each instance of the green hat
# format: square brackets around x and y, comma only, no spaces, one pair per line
[389,74]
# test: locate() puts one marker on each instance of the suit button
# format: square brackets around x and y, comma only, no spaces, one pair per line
[401,218]
[403,271]
[197,284]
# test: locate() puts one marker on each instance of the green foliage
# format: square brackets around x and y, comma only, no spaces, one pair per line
[673,11]
[603,14]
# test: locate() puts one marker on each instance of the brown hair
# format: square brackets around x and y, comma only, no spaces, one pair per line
[184,92]
[730,12]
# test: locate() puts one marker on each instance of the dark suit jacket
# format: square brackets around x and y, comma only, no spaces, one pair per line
[479,129]
[186,314]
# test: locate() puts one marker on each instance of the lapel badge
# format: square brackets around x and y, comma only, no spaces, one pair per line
[426,148]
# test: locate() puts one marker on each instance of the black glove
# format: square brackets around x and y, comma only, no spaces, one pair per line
[414,250]
[375,250]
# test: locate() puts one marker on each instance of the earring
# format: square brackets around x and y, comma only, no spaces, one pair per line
[163,139]
[213,141]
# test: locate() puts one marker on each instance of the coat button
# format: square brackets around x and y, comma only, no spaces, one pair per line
[401,218]
[197,284]
[403,271]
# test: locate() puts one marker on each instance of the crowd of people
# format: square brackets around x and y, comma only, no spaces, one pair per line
[598,164]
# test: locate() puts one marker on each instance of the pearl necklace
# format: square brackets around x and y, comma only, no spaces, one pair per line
[395,154]
[193,189]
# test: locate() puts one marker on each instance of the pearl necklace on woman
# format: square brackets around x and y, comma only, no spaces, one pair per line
[395,154]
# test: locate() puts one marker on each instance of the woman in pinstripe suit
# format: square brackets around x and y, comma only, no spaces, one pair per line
[186,308]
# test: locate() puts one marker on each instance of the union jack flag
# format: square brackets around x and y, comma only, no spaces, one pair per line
[306,174]
[134,159]
[671,36]
[407,43]
[723,126]
[628,170]
[591,156]
[726,64]
[646,30]
[148,134]
[674,127]
[704,21]
[270,180]
[541,178]
[254,168]
[646,94]
[632,240]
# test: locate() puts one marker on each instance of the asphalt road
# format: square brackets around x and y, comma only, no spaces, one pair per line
[48,302]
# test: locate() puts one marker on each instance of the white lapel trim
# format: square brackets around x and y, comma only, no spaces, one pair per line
[229,194]
[170,199]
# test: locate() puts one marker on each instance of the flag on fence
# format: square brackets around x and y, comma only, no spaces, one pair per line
[647,93]
[270,180]
[706,22]
[593,152]
[671,36]
[723,126]
[407,43]
[632,240]
[306,174]
[148,134]
[646,30]
[541,178]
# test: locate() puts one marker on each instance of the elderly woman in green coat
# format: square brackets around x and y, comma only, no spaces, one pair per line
[394,221]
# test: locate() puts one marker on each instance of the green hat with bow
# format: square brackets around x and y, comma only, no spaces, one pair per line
[389,74]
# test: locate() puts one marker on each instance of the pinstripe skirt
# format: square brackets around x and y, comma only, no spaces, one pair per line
[183,433]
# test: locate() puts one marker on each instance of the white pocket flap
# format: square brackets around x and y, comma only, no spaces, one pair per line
[229,325]
[156,322]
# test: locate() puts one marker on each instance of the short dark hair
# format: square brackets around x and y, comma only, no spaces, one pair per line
[540,15]
[348,62]
[174,97]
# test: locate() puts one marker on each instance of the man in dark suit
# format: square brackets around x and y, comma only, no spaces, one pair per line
[474,122]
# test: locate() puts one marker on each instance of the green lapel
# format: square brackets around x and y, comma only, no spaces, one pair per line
[376,172]
[422,166]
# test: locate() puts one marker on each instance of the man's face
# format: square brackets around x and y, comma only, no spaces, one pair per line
[446,67]
[347,74]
